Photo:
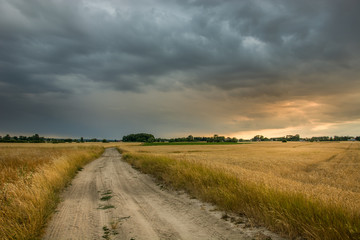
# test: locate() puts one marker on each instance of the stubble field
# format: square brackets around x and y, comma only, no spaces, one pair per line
[297,188]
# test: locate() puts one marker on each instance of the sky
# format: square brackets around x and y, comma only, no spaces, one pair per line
[108,68]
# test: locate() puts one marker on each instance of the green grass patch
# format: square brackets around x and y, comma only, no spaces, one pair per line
[292,214]
[189,143]
[107,206]
[106,198]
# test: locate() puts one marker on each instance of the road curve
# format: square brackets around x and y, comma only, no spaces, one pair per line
[109,199]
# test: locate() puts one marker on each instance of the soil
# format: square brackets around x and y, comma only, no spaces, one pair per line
[109,199]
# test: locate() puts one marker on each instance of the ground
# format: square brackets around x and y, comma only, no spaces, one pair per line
[109,199]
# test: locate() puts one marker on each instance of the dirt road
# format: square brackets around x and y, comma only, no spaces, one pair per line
[108,199]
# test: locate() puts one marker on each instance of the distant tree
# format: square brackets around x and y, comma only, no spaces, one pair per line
[139,137]
[36,137]
[104,140]
[342,138]
[23,139]
[93,140]
[7,138]
[258,138]
[293,137]
[219,139]
[323,138]
[198,139]
[190,138]
[296,137]
[82,139]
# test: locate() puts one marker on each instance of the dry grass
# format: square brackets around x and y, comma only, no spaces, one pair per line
[31,176]
[307,189]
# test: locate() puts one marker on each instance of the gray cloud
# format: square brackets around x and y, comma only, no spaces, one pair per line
[250,51]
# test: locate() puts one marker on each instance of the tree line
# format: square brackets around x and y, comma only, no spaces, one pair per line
[139,137]
[22,139]
[38,139]
[145,137]
[260,138]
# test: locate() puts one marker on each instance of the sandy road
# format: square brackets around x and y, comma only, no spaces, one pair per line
[111,200]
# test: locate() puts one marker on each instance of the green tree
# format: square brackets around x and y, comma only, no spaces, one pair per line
[190,138]
[7,138]
[258,138]
[139,137]
[36,137]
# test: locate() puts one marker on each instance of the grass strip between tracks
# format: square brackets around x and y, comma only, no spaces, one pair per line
[291,214]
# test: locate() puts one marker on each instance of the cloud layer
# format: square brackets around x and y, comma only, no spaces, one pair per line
[176,67]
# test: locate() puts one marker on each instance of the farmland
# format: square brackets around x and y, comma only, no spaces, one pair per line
[297,188]
[31,176]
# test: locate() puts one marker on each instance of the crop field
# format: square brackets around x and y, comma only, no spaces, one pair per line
[296,188]
[31,176]
[188,143]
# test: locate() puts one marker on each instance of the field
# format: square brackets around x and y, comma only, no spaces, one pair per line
[31,176]
[186,143]
[297,188]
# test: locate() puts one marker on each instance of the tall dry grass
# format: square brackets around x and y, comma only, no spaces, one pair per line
[299,189]
[31,176]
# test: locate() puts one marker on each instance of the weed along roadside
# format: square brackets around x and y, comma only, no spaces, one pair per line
[292,214]
[28,200]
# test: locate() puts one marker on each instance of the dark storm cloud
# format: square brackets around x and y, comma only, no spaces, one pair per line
[228,44]
[255,49]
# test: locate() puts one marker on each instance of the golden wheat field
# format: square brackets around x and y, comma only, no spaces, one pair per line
[328,171]
[295,188]
[31,176]
[325,174]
